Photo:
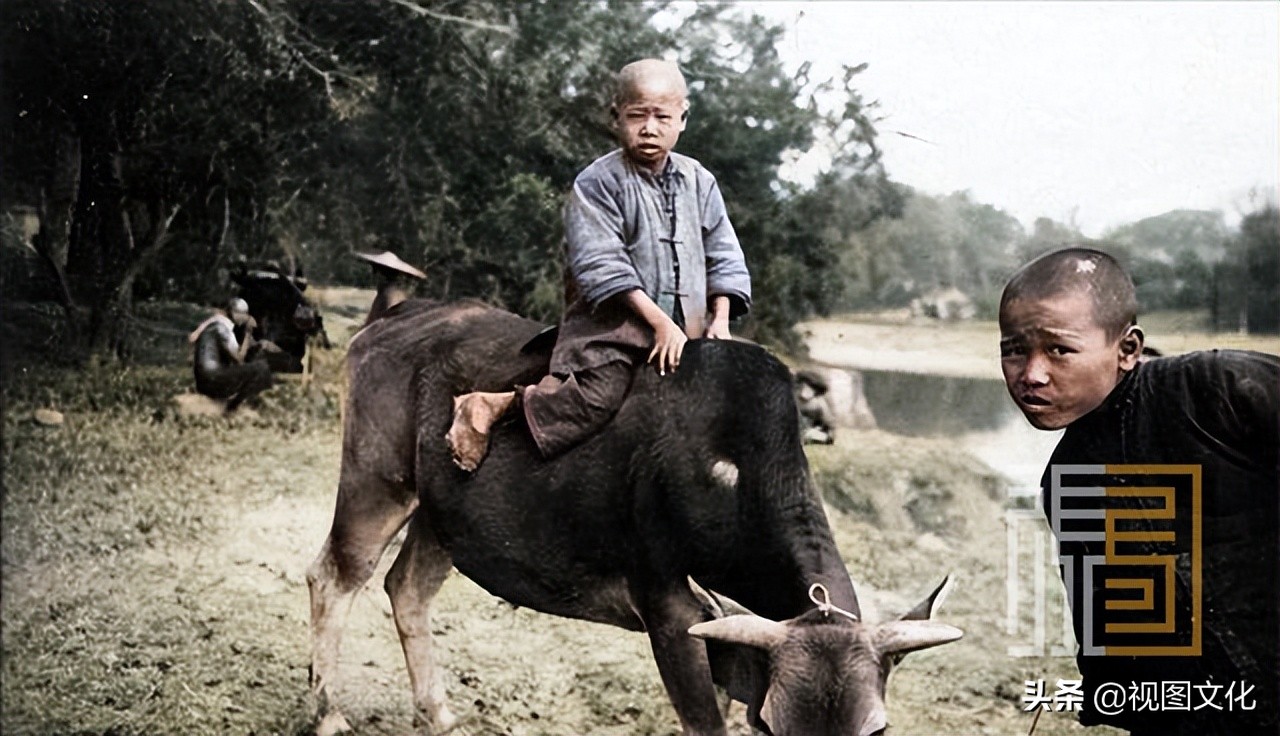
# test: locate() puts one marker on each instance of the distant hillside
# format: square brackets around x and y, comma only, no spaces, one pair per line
[1177,232]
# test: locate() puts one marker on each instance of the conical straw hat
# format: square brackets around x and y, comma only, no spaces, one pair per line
[387,259]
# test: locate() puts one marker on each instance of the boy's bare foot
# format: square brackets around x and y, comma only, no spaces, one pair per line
[473,415]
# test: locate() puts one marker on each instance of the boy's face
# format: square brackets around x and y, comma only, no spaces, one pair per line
[1057,360]
[649,124]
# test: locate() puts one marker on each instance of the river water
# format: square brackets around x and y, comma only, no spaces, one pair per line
[974,413]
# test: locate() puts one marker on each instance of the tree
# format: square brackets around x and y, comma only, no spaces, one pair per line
[479,117]
[931,243]
[144,130]
[1049,235]
[466,148]
[184,132]
[1171,255]
[1246,284]
[748,114]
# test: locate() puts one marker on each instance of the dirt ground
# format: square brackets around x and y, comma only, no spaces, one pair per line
[154,580]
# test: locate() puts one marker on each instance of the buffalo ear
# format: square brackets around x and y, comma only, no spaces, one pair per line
[751,630]
[900,637]
[706,599]
[926,608]
[720,605]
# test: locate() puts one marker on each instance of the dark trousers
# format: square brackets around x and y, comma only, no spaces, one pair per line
[564,410]
[234,382]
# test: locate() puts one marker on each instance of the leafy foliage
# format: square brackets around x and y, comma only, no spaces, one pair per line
[171,123]
[448,131]
[1171,255]
[1246,284]
[1180,260]
[183,135]
[932,243]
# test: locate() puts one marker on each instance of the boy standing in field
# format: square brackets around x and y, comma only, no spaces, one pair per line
[1146,562]
[653,261]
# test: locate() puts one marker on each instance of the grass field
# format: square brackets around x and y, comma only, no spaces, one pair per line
[154,574]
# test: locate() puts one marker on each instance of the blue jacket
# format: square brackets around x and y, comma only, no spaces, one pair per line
[627,228]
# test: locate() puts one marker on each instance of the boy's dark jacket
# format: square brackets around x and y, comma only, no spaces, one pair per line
[1219,410]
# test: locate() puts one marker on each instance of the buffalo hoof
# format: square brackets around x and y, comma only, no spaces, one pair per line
[444,722]
[332,723]
[818,436]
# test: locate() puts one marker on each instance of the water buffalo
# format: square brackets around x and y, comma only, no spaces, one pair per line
[700,476]
[285,317]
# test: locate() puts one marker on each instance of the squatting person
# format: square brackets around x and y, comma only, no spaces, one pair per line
[220,368]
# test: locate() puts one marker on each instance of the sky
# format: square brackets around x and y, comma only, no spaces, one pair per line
[1097,113]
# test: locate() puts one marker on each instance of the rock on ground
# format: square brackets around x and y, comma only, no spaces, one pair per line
[197,405]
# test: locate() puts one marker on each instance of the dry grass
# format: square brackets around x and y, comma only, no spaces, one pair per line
[1183,332]
[113,623]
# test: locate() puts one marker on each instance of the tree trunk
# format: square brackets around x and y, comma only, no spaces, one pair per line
[114,330]
[99,236]
[109,245]
[220,243]
[109,325]
[57,202]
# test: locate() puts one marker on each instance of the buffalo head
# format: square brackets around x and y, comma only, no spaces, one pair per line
[826,670]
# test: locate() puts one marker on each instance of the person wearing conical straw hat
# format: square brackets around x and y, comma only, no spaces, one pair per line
[394,281]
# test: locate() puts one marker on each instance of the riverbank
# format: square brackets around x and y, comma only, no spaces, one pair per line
[894,341]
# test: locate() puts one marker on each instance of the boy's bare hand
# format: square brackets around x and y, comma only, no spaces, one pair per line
[718,330]
[668,339]
[668,344]
[718,326]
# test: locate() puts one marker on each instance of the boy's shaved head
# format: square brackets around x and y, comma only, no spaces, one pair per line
[1079,271]
[650,108]
[652,77]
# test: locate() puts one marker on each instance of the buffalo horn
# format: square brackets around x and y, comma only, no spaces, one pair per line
[928,608]
[900,637]
[741,629]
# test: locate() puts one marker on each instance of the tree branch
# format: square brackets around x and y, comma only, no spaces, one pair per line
[226,221]
[326,76]
[156,236]
[419,10]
